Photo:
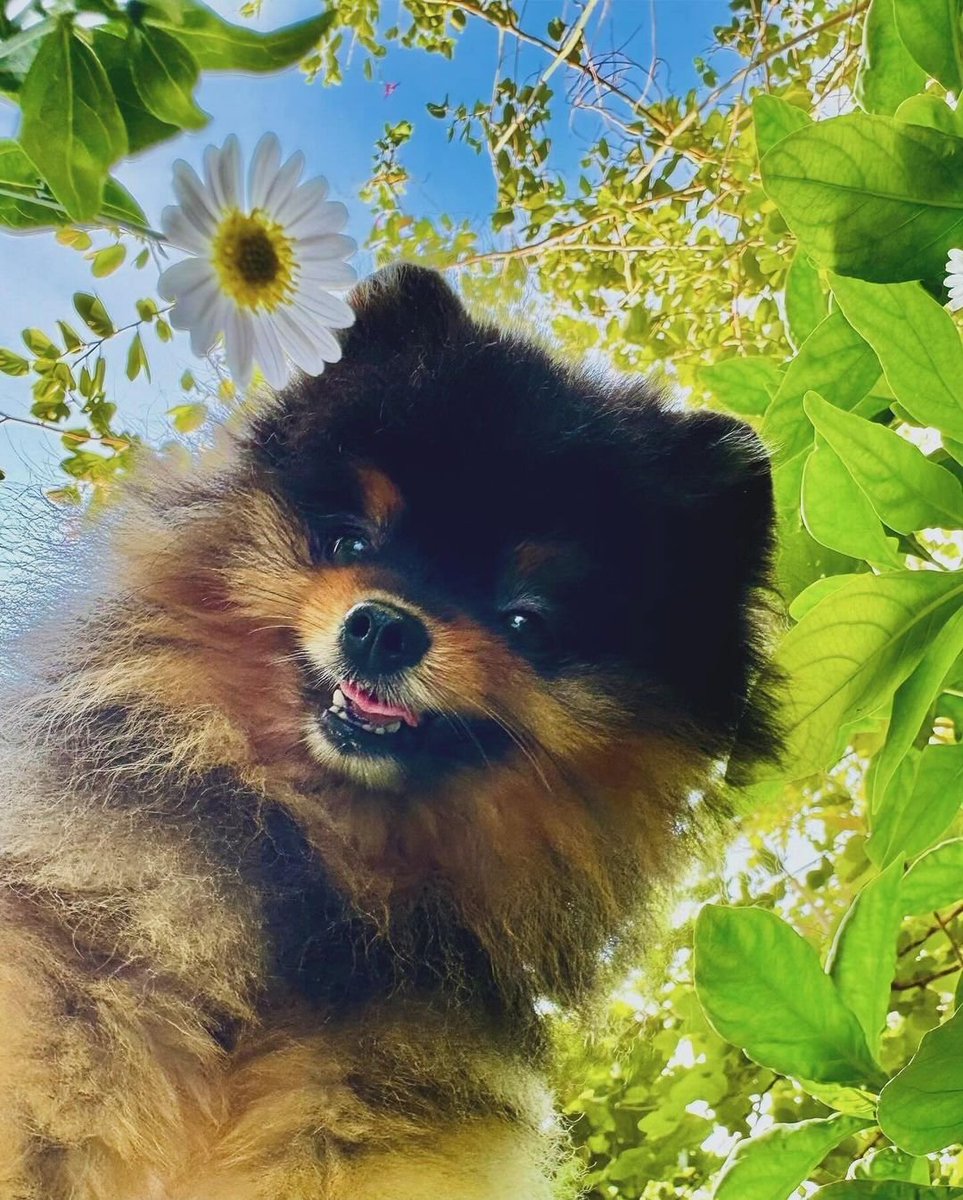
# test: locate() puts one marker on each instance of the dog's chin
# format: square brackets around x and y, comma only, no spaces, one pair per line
[373,768]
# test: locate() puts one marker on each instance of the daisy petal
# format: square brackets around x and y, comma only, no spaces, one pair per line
[181,230]
[198,204]
[183,277]
[303,200]
[265,162]
[299,345]
[232,183]
[268,353]
[955,259]
[955,304]
[284,182]
[329,273]
[238,345]
[329,217]
[329,310]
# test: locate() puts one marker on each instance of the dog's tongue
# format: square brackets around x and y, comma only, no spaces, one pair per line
[377,712]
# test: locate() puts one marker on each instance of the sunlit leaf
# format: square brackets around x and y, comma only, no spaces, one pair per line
[921,1108]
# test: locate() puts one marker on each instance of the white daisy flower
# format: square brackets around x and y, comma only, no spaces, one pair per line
[954,280]
[261,265]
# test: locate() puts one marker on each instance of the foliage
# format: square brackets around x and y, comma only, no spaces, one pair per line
[774,242]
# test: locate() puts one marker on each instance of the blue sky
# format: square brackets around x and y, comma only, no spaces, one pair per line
[336,129]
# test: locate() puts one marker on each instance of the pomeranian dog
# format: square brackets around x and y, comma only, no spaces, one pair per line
[378,735]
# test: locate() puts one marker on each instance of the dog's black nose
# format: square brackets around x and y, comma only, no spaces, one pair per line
[379,639]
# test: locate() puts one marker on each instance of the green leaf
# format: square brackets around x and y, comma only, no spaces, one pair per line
[806,302]
[816,592]
[143,128]
[921,1108]
[17,54]
[889,1163]
[772,1165]
[120,206]
[913,700]
[935,880]
[918,346]
[39,344]
[93,314]
[106,261]
[885,1189]
[72,339]
[741,385]
[930,30]
[219,46]
[72,130]
[762,988]
[837,513]
[905,489]
[862,962]
[188,418]
[888,73]
[13,364]
[834,361]
[165,74]
[137,360]
[775,119]
[848,655]
[933,112]
[19,175]
[909,819]
[870,196]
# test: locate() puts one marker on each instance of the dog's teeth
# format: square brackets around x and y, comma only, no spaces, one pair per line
[392,728]
[380,730]
[367,728]
[339,712]
[338,699]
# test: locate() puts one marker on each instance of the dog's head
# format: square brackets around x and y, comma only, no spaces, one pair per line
[506,561]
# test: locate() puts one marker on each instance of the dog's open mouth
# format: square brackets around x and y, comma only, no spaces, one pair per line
[365,710]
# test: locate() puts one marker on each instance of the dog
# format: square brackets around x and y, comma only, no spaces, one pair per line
[376,730]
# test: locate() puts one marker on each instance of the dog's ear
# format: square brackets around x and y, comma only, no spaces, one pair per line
[402,308]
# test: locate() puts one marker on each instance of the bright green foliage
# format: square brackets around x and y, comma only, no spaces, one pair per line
[773,1165]
[777,263]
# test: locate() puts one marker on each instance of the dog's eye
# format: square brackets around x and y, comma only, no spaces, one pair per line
[340,551]
[528,630]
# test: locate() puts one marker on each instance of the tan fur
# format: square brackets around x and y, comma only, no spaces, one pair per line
[143,1054]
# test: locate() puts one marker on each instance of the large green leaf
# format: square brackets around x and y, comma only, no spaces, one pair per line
[742,385]
[806,301]
[930,30]
[913,700]
[870,196]
[905,489]
[219,46]
[918,346]
[935,880]
[921,1108]
[772,1165]
[72,129]
[834,361]
[18,51]
[165,75]
[848,655]
[915,813]
[19,176]
[885,1189]
[932,111]
[143,128]
[862,961]
[775,119]
[762,988]
[837,513]
[888,73]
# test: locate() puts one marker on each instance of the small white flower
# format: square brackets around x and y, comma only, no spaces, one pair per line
[261,265]
[954,280]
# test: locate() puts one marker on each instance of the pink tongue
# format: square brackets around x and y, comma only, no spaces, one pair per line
[371,706]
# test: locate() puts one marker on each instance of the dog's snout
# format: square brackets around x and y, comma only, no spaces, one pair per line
[379,639]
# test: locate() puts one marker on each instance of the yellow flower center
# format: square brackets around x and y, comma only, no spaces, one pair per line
[254,260]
